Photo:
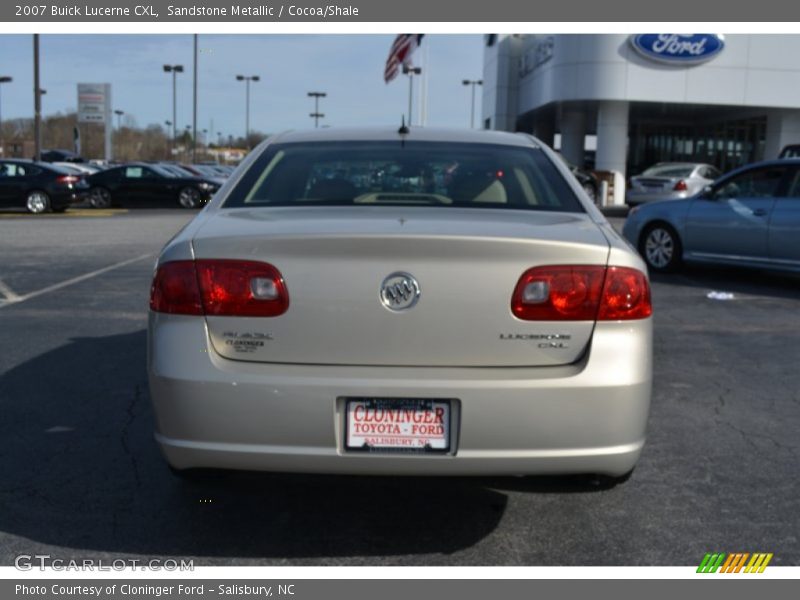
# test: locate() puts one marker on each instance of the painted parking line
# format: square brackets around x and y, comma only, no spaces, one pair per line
[57,286]
[72,212]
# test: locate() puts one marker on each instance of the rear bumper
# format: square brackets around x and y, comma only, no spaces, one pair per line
[67,198]
[214,412]
[633,198]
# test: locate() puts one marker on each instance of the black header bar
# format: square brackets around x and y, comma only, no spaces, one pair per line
[467,11]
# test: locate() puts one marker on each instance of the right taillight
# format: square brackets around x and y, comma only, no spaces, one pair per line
[581,293]
[231,288]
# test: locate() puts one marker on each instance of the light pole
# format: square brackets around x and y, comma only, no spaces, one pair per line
[168,124]
[316,115]
[194,103]
[42,92]
[37,102]
[3,79]
[411,71]
[247,81]
[472,83]
[174,69]
[119,114]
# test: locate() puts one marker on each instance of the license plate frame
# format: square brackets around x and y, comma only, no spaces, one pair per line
[359,441]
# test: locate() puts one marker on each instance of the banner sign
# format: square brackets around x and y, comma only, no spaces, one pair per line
[94,102]
[678,48]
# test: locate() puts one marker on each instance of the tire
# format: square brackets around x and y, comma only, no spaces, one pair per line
[37,202]
[198,475]
[606,482]
[189,197]
[186,474]
[100,197]
[661,248]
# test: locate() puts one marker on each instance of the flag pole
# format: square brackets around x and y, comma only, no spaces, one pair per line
[410,98]
[411,71]
[424,88]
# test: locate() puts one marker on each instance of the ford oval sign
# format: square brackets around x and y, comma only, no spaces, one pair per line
[678,48]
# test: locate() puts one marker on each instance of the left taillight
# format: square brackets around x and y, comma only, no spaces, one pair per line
[175,289]
[67,179]
[241,288]
[231,288]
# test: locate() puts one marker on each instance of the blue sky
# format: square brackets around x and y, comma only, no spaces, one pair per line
[348,67]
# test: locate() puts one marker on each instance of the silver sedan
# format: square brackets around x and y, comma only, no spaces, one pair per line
[749,217]
[669,181]
[376,301]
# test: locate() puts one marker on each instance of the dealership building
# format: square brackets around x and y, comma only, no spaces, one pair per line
[625,102]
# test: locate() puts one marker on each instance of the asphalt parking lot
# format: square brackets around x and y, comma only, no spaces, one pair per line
[82,477]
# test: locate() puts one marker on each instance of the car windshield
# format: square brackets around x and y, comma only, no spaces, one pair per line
[206,170]
[669,171]
[410,173]
[791,152]
[182,171]
[165,171]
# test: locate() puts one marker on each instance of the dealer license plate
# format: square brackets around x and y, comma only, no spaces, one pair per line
[398,424]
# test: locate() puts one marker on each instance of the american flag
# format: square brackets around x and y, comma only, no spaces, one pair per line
[400,54]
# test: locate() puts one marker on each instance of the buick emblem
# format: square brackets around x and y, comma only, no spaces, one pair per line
[399,291]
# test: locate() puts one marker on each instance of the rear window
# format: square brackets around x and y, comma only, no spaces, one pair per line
[410,173]
[62,169]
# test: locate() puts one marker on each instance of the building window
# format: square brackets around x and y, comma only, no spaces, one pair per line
[724,144]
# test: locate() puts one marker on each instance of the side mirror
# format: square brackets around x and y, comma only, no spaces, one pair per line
[707,193]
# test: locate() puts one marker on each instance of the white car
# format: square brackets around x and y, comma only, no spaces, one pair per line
[371,301]
[670,181]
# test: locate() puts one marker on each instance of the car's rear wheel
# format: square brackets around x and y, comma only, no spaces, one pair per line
[100,197]
[37,202]
[199,475]
[661,248]
[609,481]
[189,197]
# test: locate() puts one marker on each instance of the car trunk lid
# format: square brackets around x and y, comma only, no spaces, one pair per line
[654,184]
[466,262]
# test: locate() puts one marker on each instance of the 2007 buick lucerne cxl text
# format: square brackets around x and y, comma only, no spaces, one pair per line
[383,301]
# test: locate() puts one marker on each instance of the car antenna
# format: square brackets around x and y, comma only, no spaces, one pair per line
[404,130]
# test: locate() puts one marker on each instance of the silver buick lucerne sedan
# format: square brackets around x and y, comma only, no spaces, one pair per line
[375,301]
